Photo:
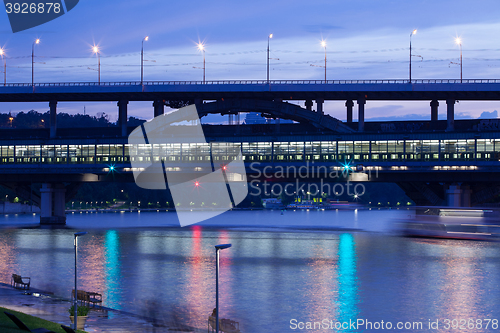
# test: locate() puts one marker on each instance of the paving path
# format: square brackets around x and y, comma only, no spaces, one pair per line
[53,308]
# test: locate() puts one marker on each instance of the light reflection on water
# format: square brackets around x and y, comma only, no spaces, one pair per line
[112,269]
[268,276]
[347,281]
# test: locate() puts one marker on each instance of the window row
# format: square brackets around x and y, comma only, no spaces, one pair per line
[324,151]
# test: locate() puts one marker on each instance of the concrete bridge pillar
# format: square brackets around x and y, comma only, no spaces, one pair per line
[53,119]
[450,114]
[434,110]
[349,104]
[453,194]
[122,116]
[52,207]
[309,105]
[458,196]
[361,114]
[159,108]
[319,106]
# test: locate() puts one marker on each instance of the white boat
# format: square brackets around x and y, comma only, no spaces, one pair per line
[453,223]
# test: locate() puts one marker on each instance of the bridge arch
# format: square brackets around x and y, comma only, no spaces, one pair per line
[273,109]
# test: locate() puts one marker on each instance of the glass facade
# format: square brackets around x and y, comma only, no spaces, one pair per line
[294,151]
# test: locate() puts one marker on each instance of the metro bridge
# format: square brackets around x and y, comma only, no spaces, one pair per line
[458,168]
[441,162]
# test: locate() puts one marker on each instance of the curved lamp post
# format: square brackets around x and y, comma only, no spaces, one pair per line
[142,58]
[96,51]
[323,43]
[217,249]
[76,276]
[37,41]
[268,39]
[2,53]
[201,47]
[411,34]
[458,41]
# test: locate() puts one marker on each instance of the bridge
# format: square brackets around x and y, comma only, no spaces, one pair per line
[458,168]
[434,162]
[243,91]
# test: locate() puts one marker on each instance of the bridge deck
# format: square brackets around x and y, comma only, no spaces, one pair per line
[469,89]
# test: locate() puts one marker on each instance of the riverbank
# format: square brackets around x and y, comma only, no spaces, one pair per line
[50,307]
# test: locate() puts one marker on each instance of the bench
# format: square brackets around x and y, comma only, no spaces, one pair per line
[87,297]
[17,282]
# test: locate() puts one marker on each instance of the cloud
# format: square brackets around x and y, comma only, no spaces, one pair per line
[489,115]
[401,117]
[320,28]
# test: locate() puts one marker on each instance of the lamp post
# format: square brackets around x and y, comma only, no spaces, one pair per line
[76,276]
[96,51]
[268,39]
[217,249]
[458,41]
[37,41]
[201,47]
[2,53]
[411,34]
[142,58]
[323,43]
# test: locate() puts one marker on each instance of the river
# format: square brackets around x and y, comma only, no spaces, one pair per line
[282,273]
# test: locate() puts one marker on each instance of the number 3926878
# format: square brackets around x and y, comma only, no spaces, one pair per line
[32,8]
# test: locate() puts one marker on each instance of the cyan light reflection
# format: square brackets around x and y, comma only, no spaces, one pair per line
[347,279]
[112,269]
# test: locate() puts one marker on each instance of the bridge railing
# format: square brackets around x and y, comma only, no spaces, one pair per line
[254,82]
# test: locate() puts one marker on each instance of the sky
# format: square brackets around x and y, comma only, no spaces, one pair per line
[365,40]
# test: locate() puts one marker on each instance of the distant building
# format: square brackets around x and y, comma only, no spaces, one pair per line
[253,118]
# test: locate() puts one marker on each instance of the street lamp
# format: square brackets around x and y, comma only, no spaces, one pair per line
[268,39]
[2,53]
[37,41]
[76,276]
[411,34]
[96,51]
[458,41]
[323,43]
[217,249]
[201,47]
[142,58]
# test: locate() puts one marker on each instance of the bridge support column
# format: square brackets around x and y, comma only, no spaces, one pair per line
[52,208]
[349,104]
[53,119]
[361,115]
[450,114]
[122,116]
[434,110]
[309,105]
[159,108]
[453,194]
[319,106]
[458,196]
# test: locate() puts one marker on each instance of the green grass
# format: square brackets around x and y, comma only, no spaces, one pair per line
[8,326]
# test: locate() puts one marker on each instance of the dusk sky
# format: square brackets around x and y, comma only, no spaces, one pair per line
[365,40]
